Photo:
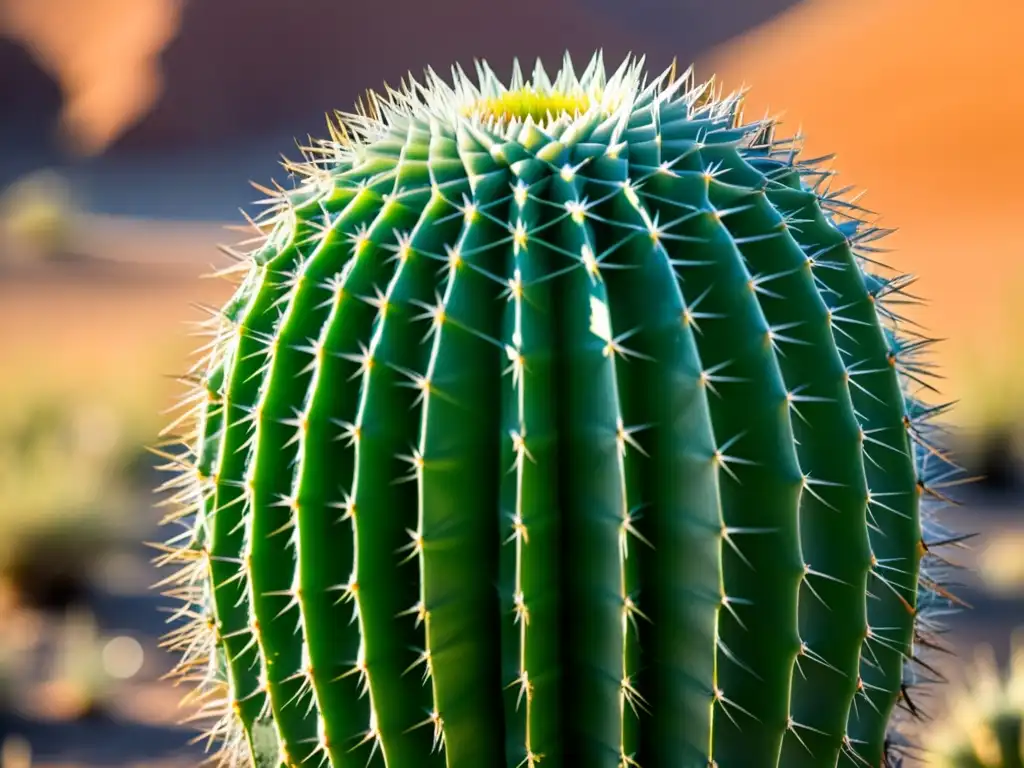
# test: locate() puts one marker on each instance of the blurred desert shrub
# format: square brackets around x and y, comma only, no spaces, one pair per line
[983,725]
[39,214]
[64,499]
[74,674]
[86,668]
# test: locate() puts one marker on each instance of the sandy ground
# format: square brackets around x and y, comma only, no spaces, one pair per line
[113,336]
[115,315]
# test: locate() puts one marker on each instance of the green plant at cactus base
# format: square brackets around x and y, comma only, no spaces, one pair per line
[558,423]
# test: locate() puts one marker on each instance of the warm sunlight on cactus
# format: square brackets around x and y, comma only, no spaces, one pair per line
[564,422]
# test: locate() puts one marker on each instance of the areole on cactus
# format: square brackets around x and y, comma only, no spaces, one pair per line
[563,422]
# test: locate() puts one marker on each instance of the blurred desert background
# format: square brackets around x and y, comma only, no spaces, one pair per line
[129,130]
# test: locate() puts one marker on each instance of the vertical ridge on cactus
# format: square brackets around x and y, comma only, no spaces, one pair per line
[561,422]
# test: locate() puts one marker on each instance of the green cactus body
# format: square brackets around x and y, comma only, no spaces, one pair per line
[558,423]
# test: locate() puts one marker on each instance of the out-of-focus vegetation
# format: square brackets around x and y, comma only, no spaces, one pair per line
[87,666]
[39,214]
[64,499]
[88,351]
[87,356]
[983,725]
[79,681]
[71,500]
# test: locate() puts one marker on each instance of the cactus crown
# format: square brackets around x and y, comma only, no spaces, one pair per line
[558,423]
[525,102]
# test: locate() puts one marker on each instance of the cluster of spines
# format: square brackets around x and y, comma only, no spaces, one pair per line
[255,327]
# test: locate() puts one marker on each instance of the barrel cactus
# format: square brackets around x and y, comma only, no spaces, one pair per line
[558,422]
